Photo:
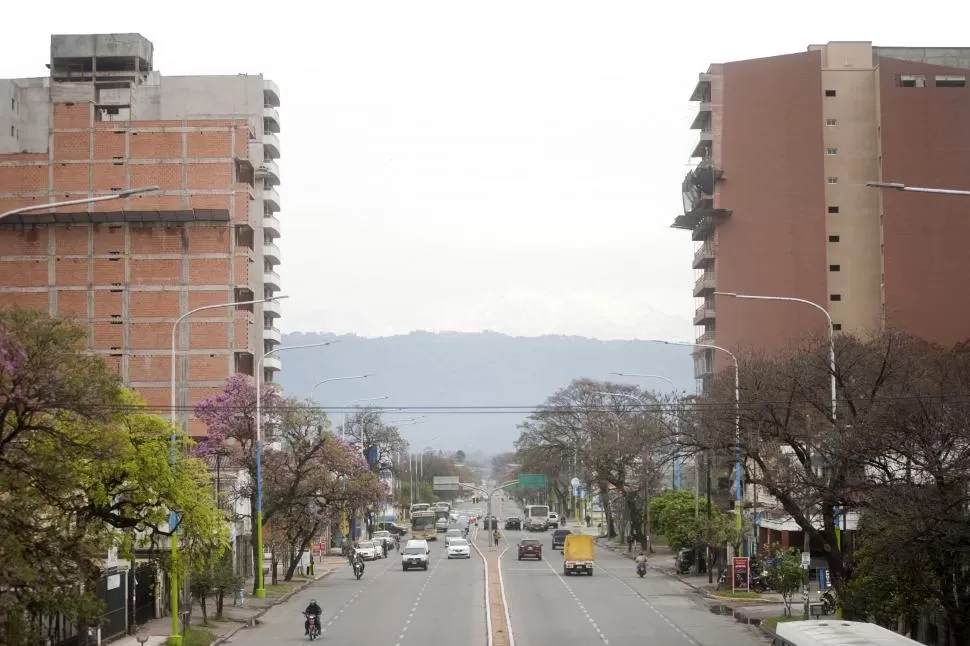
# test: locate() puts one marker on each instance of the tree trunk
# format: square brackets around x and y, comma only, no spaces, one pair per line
[274,566]
[220,599]
[205,610]
[607,510]
[295,561]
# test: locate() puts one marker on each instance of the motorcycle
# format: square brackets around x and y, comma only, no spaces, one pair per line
[358,569]
[641,569]
[759,582]
[828,600]
[313,630]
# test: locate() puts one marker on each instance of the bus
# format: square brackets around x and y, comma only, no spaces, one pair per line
[422,525]
[827,632]
[420,506]
[536,518]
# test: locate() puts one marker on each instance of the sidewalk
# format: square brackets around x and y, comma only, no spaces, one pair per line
[235,617]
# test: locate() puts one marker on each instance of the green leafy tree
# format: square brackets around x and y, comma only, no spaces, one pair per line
[683,519]
[82,465]
[785,573]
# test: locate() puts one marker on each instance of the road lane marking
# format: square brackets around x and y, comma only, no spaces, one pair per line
[371,581]
[505,601]
[666,620]
[417,599]
[579,603]
[488,606]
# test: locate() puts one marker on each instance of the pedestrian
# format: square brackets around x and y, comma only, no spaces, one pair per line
[384,547]
[589,520]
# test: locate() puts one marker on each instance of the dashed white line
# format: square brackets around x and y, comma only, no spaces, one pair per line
[346,605]
[579,603]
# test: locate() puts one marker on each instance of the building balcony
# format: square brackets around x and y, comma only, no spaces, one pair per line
[269,173]
[271,279]
[703,119]
[271,226]
[704,255]
[272,335]
[271,120]
[271,253]
[272,309]
[271,94]
[703,364]
[705,145]
[704,284]
[272,363]
[271,146]
[702,91]
[703,314]
[271,200]
[707,338]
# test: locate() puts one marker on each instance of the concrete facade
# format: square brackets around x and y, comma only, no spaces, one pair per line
[779,206]
[105,121]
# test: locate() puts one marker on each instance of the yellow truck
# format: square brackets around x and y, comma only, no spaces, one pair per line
[577,555]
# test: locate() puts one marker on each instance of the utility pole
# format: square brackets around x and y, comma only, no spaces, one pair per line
[710,561]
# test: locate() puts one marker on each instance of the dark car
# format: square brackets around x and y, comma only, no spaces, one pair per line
[685,561]
[490,522]
[531,548]
[394,528]
[513,523]
[559,537]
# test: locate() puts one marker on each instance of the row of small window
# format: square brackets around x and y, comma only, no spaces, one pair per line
[835,297]
[919,80]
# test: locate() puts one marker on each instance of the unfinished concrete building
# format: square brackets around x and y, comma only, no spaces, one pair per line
[102,121]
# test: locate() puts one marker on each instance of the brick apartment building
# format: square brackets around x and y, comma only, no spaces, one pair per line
[103,121]
[778,204]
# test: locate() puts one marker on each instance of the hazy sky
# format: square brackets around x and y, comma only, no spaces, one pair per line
[504,165]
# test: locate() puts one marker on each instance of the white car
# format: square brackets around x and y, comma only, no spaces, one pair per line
[384,536]
[452,534]
[368,551]
[458,548]
[553,520]
[415,555]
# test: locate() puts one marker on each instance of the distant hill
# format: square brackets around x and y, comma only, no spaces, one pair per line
[469,369]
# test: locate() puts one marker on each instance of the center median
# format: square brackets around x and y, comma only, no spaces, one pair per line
[496,610]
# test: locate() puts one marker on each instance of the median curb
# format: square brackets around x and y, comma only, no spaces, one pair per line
[253,622]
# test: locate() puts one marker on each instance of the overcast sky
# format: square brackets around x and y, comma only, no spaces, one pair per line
[456,165]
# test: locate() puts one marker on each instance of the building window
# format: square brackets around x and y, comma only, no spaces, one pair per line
[831,151]
[829,92]
[837,326]
[833,209]
[12,132]
[835,267]
[833,180]
[911,80]
[833,238]
[835,297]
[951,81]
[831,122]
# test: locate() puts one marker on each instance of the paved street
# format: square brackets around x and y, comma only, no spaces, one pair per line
[387,606]
[614,606]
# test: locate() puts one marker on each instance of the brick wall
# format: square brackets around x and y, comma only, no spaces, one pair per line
[129,282]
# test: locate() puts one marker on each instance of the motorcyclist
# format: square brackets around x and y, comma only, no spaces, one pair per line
[312,610]
[641,561]
[358,561]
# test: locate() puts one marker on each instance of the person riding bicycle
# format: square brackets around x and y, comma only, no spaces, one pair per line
[313,610]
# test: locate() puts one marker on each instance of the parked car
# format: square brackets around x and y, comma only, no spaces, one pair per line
[384,536]
[394,528]
[458,548]
[559,538]
[530,548]
[490,523]
[513,522]
[685,561]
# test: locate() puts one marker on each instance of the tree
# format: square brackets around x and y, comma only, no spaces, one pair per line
[616,440]
[686,521]
[82,466]
[366,427]
[785,573]
[459,456]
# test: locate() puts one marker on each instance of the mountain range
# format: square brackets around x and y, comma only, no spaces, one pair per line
[460,369]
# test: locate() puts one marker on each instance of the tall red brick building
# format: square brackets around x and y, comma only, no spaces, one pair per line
[778,204]
[105,121]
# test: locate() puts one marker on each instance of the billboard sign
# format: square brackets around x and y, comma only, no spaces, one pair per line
[445,483]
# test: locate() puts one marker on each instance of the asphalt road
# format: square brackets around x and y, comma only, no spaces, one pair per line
[389,607]
[614,606]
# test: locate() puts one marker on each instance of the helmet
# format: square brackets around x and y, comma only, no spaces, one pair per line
[313,600]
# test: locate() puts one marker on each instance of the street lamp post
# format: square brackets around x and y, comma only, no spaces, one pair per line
[83,200]
[329,379]
[488,497]
[807,545]
[899,186]
[260,587]
[173,419]
[677,465]
[828,317]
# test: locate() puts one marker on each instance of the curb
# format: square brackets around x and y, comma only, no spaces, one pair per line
[253,621]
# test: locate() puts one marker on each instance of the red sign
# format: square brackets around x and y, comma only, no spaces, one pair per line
[739,570]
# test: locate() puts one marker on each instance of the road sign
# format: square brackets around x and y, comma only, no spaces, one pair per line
[445,483]
[806,560]
[532,481]
[575,483]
